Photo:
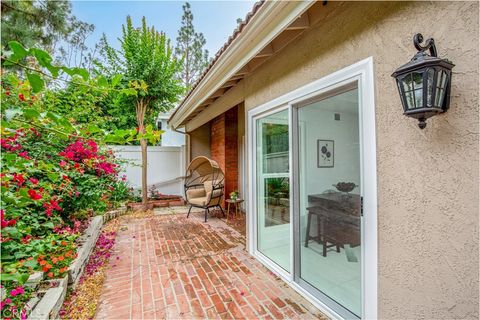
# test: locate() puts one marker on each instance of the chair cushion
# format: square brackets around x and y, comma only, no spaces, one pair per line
[200,201]
[208,185]
[195,193]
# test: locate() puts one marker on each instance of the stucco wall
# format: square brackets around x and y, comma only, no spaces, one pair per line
[427,179]
[200,141]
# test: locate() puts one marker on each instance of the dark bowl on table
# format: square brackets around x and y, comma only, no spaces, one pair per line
[345,186]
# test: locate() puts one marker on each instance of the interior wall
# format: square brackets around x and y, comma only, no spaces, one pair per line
[317,122]
[200,141]
[428,190]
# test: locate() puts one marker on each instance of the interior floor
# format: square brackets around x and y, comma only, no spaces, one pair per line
[337,275]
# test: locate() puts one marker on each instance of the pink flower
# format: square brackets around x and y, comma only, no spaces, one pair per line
[105,168]
[24,154]
[6,223]
[17,291]
[34,195]
[53,205]
[63,163]
[18,178]
[5,302]
[33,181]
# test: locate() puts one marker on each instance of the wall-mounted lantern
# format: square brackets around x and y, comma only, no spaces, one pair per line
[424,82]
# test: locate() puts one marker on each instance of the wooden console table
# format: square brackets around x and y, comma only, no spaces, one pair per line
[338,220]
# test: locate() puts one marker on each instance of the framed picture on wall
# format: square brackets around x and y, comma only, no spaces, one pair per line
[325,154]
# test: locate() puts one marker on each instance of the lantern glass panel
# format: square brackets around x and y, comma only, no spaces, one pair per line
[440,88]
[430,76]
[419,98]
[407,83]
[417,78]
[413,88]
[410,99]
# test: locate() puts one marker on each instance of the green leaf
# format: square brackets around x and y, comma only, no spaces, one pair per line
[22,277]
[31,263]
[114,139]
[102,81]
[20,255]
[93,128]
[45,60]
[76,71]
[116,79]
[52,116]
[66,125]
[129,92]
[30,114]
[53,176]
[9,157]
[36,82]
[12,232]
[19,52]
[7,277]
[49,225]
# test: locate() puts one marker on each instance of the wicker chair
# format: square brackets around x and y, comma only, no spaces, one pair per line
[204,185]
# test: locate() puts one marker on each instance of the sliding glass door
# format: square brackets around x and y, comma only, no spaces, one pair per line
[273,188]
[313,190]
[329,199]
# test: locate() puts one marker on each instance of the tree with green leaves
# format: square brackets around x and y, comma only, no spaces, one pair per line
[190,48]
[44,24]
[38,23]
[149,66]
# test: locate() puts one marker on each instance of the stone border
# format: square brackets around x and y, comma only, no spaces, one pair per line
[49,305]
[51,302]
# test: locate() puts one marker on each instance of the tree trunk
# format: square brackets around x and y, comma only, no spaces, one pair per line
[143,145]
[141,108]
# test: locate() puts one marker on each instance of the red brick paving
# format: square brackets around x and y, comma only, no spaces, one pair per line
[171,267]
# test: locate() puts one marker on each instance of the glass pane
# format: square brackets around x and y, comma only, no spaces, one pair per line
[430,91]
[444,80]
[418,98]
[417,80]
[439,98]
[410,100]
[407,83]
[329,217]
[273,188]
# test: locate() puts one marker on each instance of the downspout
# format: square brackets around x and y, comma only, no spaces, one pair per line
[187,147]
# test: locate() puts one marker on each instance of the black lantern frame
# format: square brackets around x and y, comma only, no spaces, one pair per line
[424,82]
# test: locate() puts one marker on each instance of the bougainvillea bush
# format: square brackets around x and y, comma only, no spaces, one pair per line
[55,175]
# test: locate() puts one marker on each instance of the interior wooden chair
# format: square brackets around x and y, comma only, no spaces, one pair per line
[204,185]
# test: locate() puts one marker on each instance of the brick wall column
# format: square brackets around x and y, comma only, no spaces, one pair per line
[224,147]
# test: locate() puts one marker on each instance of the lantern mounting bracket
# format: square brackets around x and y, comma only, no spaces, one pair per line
[429,44]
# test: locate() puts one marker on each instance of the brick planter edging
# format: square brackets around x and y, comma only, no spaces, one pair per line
[49,305]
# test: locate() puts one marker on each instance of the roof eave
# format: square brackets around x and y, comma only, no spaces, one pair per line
[270,20]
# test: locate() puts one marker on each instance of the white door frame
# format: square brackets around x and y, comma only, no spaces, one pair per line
[362,72]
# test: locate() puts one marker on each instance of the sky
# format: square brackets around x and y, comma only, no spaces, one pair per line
[215,19]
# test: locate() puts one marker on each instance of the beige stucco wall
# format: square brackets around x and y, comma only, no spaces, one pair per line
[428,189]
[200,141]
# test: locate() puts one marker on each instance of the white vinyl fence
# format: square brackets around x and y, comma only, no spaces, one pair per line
[165,167]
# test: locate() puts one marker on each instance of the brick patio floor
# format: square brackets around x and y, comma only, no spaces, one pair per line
[166,266]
